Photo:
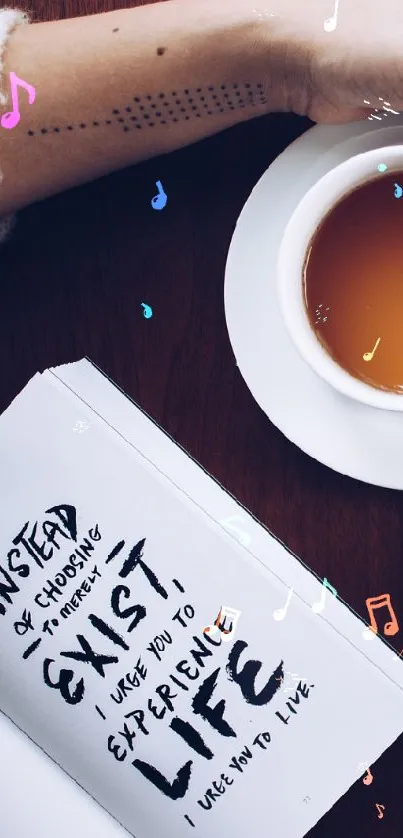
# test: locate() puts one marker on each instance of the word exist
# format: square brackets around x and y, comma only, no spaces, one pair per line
[319,606]
[11,119]
[368,356]
[398,191]
[219,624]
[280,613]
[379,806]
[148,312]
[331,22]
[372,604]
[159,201]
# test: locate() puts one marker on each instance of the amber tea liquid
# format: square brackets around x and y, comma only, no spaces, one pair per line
[353,282]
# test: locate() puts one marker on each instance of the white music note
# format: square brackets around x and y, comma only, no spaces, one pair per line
[331,22]
[226,612]
[11,119]
[280,613]
[319,606]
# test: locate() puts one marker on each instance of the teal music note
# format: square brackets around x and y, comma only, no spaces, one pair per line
[148,312]
[317,607]
[398,191]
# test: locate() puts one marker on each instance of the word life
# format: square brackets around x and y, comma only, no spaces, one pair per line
[398,191]
[160,200]
[11,119]
[390,628]
[219,625]
[368,356]
[148,312]
[317,607]
[280,613]
[331,22]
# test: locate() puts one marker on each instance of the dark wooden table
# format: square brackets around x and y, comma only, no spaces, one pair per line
[72,282]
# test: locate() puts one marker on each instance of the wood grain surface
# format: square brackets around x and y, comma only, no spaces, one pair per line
[72,281]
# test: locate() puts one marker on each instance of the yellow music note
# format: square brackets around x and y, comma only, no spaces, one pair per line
[367,356]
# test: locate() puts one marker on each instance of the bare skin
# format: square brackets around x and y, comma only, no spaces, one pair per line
[116,88]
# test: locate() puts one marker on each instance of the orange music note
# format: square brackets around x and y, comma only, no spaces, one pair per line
[367,780]
[379,806]
[11,119]
[372,604]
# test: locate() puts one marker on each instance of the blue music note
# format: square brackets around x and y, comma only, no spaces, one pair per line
[159,201]
[398,191]
[148,312]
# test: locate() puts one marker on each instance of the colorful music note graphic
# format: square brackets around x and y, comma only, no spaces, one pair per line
[367,780]
[11,119]
[280,613]
[319,606]
[372,604]
[379,806]
[148,312]
[368,356]
[159,201]
[219,624]
[331,22]
[242,536]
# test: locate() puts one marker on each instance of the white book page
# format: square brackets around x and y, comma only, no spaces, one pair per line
[100,396]
[50,798]
[219,718]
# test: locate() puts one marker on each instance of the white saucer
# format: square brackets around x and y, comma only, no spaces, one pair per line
[362,442]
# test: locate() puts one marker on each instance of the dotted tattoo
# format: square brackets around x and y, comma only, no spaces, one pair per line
[173,107]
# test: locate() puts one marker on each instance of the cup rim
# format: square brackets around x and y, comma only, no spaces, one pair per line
[317,202]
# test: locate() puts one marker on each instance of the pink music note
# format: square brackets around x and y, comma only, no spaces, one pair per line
[11,119]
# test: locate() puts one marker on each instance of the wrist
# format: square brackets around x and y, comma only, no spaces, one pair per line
[237,49]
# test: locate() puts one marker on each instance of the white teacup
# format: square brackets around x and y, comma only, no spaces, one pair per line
[295,243]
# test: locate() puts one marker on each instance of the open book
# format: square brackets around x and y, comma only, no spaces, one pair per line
[159,644]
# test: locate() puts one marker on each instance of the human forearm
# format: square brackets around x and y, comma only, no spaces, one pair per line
[115,88]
